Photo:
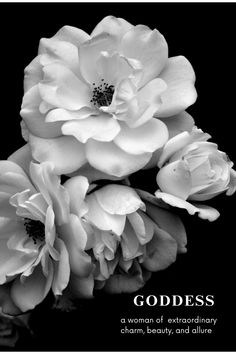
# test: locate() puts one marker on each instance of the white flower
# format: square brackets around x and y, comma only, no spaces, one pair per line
[37,253]
[91,98]
[125,242]
[193,169]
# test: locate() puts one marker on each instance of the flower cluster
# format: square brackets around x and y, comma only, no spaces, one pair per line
[96,110]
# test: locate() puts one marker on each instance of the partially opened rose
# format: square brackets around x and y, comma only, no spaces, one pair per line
[91,98]
[41,243]
[193,169]
[128,243]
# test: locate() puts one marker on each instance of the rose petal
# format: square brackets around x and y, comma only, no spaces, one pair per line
[6,304]
[62,269]
[147,46]
[92,174]
[12,183]
[10,166]
[204,211]
[13,262]
[62,88]
[149,100]
[161,251]
[66,153]
[112,25]
[75,239]
[129,243]
[72,34]
[89,53]
[54,50]
[179,123]
[109,158]
[142,225]
[146,138]
[77,188]
[102,128]
[175,179]
[26,295]
[102,219]
[119,200]
[181,93]
[169,222]
[232,183]
[179,142]
[34,120]
[33,74]
[6,209]
[60,114]
[50,185]
[113,68]
[22,157]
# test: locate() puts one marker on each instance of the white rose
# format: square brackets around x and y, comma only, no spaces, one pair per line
[91,98]
[193,169]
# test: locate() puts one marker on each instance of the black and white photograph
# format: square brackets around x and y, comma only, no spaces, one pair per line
[117,176]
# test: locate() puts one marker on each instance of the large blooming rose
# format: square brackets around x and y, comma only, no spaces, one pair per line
[191,168]
[91,98]
[41,241]
[129,239]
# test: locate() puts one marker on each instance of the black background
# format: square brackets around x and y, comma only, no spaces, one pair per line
[205,34]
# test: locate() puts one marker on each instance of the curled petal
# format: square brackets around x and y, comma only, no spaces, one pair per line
[102,128]
[66,153]
[232,183]
[60,114]
[204,211]
[181,93]
[77,188]
[119,200]
[49,185]
[62,269]
[109,158]
[102,219]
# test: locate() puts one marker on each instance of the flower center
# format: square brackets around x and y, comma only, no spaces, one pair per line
[35,229]
[102,94]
